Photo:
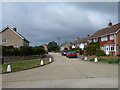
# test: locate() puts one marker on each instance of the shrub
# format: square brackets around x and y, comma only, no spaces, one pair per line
[113,60]
[100,53]
[107,60]
[92,59]
[75,50]
[91,50]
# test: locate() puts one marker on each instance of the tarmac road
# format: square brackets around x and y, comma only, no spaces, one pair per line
[65,73]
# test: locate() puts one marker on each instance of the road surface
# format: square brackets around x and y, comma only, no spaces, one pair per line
[65,73]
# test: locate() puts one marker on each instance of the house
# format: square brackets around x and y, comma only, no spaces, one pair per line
[75,43]
[65,45]
[81,43]
[45,47]
[10,37]
[109,39]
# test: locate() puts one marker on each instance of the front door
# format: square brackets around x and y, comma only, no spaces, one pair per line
[107,50]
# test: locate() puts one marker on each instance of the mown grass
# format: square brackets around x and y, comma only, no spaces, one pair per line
[22,65]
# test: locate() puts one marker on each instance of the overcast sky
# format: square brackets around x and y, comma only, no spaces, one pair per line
[42,22]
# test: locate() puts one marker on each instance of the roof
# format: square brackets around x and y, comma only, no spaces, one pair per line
[82,40]
[15,33]
[106,31]
[65,43]
[75,42]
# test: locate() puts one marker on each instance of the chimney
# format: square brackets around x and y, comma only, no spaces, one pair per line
[109,24]
[15,29]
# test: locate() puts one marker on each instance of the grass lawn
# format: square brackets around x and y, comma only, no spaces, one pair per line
[22,65]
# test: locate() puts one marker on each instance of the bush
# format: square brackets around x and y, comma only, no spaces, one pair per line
[106,60]
[100,53]
[113,60]
[75,50]
[94,49]
[92,59]
[91,50]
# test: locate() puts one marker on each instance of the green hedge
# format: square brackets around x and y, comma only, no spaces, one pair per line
[109,60]
[22,51]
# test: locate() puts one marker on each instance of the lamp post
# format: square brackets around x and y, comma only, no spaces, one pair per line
[59,43]
[58,40]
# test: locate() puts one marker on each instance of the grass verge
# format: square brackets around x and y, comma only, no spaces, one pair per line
[23,65]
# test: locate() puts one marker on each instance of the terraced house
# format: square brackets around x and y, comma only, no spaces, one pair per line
[109,39]
[10,37]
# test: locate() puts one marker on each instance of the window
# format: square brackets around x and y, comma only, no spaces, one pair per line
[104,38]
[103,48]
[111,37]
[95,39]
[112,47]
[90,41]
[4,40]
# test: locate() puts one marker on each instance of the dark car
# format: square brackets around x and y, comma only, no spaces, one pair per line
[71,54]
[64,52]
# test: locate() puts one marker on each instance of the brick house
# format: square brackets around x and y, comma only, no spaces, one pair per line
[10,37]
[45,47]
[109,39]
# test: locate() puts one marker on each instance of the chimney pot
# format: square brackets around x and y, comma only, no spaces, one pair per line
[110,24]
[15,29]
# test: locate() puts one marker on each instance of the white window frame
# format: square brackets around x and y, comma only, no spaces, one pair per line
[90,41]
[105,38]
[112,37]
[4,40]
[95,39]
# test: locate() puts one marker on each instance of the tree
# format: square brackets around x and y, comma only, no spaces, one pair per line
[52,46]
[92,48]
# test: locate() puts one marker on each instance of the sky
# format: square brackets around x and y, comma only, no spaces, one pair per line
[43,22]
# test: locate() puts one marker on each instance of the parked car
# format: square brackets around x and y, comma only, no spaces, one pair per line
[64,52]
[71,54]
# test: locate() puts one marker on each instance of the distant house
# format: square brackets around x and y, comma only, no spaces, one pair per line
[109,39]
[65,45]
[83,42]
[10,37]
[80,43]
[75,43]
[45,47]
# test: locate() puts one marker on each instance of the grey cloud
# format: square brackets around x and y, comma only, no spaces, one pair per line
[44,22]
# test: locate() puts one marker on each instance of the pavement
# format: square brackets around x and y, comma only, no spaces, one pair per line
[65,73]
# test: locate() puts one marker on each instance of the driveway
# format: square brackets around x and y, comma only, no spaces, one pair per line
[65,73]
